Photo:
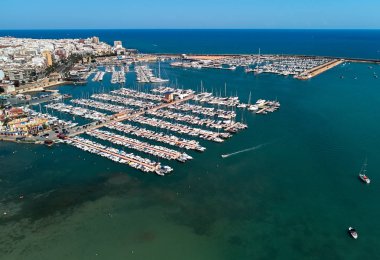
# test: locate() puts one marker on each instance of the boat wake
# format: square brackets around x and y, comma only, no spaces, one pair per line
[244,150]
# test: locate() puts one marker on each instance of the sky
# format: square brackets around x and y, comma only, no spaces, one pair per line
[190,14]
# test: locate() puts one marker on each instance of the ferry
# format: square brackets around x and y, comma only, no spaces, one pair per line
[362,173]
[353,232]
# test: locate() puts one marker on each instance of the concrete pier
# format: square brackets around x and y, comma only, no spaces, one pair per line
[319,70]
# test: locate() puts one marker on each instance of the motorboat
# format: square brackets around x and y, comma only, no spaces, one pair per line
[353,233]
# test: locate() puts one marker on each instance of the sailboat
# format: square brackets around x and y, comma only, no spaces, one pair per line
[159,79]
[362,173]
[242,105]
[251,107]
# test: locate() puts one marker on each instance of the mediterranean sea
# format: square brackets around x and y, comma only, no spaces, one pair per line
[292,198]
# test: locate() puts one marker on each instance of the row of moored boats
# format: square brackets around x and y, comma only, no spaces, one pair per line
[135,161]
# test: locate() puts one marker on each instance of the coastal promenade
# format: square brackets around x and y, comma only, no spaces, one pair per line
[40,86]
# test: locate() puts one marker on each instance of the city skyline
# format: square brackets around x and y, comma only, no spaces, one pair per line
[167,14]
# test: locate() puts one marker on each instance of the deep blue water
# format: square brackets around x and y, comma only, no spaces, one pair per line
[291,199]
[342,43]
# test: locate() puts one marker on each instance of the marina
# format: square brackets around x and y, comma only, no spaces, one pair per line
[137,94]
[134,144]
[194,120]
[98,105]
[154,111]
[118,76]
[204,111]
[235,199]
[182,129]
[145,75]
[182,111]
[77,111]
[119,156]
[122,100]
[297,66]
[157,136]
[265,107]
[99,76]
[204,115]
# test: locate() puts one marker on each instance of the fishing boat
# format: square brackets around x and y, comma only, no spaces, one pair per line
[362,173]
[353,233]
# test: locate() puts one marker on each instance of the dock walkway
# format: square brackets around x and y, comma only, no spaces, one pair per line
[151,167]
[104,135]
[124,115]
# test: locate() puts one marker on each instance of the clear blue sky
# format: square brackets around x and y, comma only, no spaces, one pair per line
[136,14]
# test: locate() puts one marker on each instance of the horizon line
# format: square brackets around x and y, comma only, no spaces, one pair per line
[158,29]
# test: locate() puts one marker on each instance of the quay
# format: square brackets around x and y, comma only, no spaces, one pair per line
[319,70]
[37,87]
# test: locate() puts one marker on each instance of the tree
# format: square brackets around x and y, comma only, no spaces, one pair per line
[17,83]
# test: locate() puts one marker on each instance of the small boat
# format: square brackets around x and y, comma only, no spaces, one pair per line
[49,143]
[353,232]
[362,173]
[80,83]
[364,178]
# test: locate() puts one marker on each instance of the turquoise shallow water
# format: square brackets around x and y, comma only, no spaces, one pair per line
[290,199]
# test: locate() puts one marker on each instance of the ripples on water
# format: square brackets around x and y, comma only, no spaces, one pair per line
[292,199]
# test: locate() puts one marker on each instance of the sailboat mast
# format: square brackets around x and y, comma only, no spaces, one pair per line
[159,69]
